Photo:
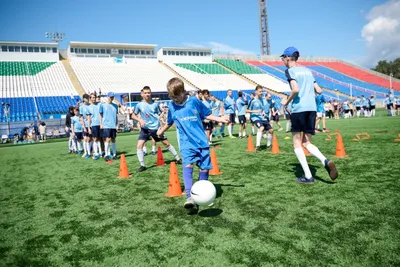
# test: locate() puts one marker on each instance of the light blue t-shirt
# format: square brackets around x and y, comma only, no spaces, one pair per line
[229,105]
[76,124]
[372,101]
[256,104]
[391,98]
[109,113]
[346,105]
[83,111]
[267,105]
[398,101]
[241,106]
[305,99]
[150,114]
[94,111]
[364,102]
[207,103]
[188,119]
[357,103]
[216,108]
[320,101]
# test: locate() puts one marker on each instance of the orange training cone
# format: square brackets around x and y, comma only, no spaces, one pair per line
[250,145]
[306,152]
[174,186]
[340,153]
[275,145]
[160,158]
[123,168]
[214,162]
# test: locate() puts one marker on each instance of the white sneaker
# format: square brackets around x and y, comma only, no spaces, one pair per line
[84,155]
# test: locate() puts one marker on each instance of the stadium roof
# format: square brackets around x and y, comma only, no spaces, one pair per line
[26,43]
[110,45]
[187,48]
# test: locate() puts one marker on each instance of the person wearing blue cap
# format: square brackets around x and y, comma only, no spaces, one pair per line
[303,117]
[108,122]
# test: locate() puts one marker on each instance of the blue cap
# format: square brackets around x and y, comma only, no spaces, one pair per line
[289,51]
[110,94]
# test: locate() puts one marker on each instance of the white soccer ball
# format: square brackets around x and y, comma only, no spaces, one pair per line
[203,193]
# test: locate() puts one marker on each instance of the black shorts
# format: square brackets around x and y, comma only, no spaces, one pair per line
[260,124]
[208,126]
[346,111]
[79,135]
[372,107]
[287,116]
[231,117]
[304,122]
[87,134]
[389,106]
[365,108]
[145,135]
[96,131]
[110,133]
[242,119]
[275,118]
[358,108]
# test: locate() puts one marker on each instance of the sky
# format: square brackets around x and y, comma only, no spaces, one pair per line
[359,31]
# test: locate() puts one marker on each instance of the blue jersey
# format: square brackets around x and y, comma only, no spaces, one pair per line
[109,113]
[207,103]
[320,101]
[391,98]
[346,105]
[398,102]
[76,124]
[364,102]
[267,105]
[241,106]
[83,111]
[305,99]
[94,111]
[357,103]
[216,108]
[188,119]
[229,105]
[256,104]
[150,114]
[372,101]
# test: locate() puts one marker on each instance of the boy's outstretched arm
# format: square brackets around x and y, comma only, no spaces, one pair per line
[163,129]
[223,119]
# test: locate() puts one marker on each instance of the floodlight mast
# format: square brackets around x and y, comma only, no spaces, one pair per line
[264,33]
[56,37]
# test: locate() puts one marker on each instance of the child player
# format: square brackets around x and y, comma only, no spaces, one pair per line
[149,121]
[188,113]
[76,130]
[108,122]
[303,86]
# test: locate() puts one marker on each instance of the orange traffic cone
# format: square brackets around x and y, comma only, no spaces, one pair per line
[123,168]
[397,140]
[174,186]
[275,145]
[214,162]
[340,153]
[160,158]
[306,152]
[250,145]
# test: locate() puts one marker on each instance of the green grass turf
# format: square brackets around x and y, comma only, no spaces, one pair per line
[58,209]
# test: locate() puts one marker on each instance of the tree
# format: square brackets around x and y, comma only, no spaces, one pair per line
[386,67]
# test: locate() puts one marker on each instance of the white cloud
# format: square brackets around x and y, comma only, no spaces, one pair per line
[382,33]
[219,48]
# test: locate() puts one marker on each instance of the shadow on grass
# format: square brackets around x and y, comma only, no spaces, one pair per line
[210,213]
[219,189]
[298,172]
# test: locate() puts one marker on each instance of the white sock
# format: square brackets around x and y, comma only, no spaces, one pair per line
[99,147]
[287,126]
[244,133]
[258,139]
[88,150]
[303,162]
[144,149]
[316,153]
[211,137]
[269,139]
[140,156]
[79,146]
[173,151]
[70,144]
[114,148]
[94,148]
[107,148]
[358,114]
[252,129]
[230,130]
[240,134]
[373,112]
[84,147]
[153,148]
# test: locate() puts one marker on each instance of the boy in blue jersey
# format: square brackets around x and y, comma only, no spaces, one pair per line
[346,109]
[149,121]
[304,87]
[241,105]
[229,107]
[76,130]
[391,103]
[259,117]
[252,95]
[275,115]
[207,124]
[372,102]
[83,110]
[188,113]
[267,109]
[320,102]
[364,105]
[217,110]
[109,123]
[93,118]
[357,104]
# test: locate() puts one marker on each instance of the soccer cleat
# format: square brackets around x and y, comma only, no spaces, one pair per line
[153,152]
[258,148]
[268,147]
[232,137]
[189,203]
[95,157]
[84,155]
[70,152]
[141,169]
[280,129]
[87,156]
[330,167]
[304,180]
[79,152]
[145,153]
[179,161]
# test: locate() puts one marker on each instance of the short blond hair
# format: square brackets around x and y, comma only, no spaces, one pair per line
[175,86]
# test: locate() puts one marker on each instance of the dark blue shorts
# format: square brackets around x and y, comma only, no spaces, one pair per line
[96,131]
[287,116]
[145,135]
[275,118]
[265,124]
[231,117]
[110,133]
[208,126]
[304,122]
[242,119]
[79,135]
[86,134]
[198,156]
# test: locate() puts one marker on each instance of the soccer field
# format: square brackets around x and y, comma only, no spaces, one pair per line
[57,209]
